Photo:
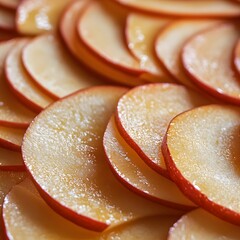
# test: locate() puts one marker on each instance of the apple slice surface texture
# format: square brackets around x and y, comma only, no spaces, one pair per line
[144,113]
[68,24]
[27,216]
[201,152]
[133,172]
[11,138]
[141,31]
[177,8]
[207,58]
[168,50]
[7,19]
[39,16]
[64,153]
[58,78]
[150,228]
[236,57]
[200,224]
[12,113]
[21,83]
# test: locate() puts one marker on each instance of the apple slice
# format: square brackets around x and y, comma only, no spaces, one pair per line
[12,113]
[19,81]
[207,58]
[67,28]
[144,113]
[39,16]
[168,49]
[27,216]
[11,4]
[10,160]
[236,57]
[140,33]
[7,19]
[57,78]
[11,138]
[63,151]
[130,169]
[150,228]
[207,171]
[7,35]
[182,8]
[200,224]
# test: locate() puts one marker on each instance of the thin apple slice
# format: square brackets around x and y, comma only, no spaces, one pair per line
[10,160]
[11,4]
[131,170]
[236,57]
[67,28]
[200,224]
[140,33]
[12,113]
[39,16]
[201,150]
[7,19]
[150,228]
[144,113]
[182,8]
[207,59]
[21,83]
[57,78]
[168,49]
[27,216]
[11,138]
[63,151]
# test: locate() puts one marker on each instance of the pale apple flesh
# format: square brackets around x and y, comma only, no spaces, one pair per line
[11,138]
[201,151]
[21,83]
[200,224]
[143,115]
[210,68]
[133,172]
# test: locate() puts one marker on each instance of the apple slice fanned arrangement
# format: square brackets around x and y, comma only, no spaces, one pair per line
[119,119]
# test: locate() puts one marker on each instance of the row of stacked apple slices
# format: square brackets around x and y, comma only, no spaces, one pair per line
[83,129]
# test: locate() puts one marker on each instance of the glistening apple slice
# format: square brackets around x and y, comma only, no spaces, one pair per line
[133,172]
[21,83]
[144,113]
[68,24]
[200,224]
[11,138]
[54,70]
[168,49]
[236,57]
[39,16]
[182,8]
[27,216]
[7,19]
[207,58]
[201,150]
[63,151]
[12,113]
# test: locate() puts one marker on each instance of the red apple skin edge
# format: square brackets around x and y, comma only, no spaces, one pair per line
[19,168]
[195,195]
[8,145]
[234,54]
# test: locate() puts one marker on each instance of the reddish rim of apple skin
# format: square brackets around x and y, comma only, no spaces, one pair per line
[192,193]
[7,28]
[126,69]
[234,56]
[66,212]
[9,145]
[174,15]
[15,168]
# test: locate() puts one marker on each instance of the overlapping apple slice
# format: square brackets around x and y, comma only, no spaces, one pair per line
[207,58]
[236,57]
[168,49]
[39,16]
[130,169]
[201,150]
[21,83]
[140,33]
[62,150]
[68,26]
[54,70]
[200,224]
[12,113]
[7,19]
[27,216]
[11,4]
[11,138]
[144,113]
[182,8]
